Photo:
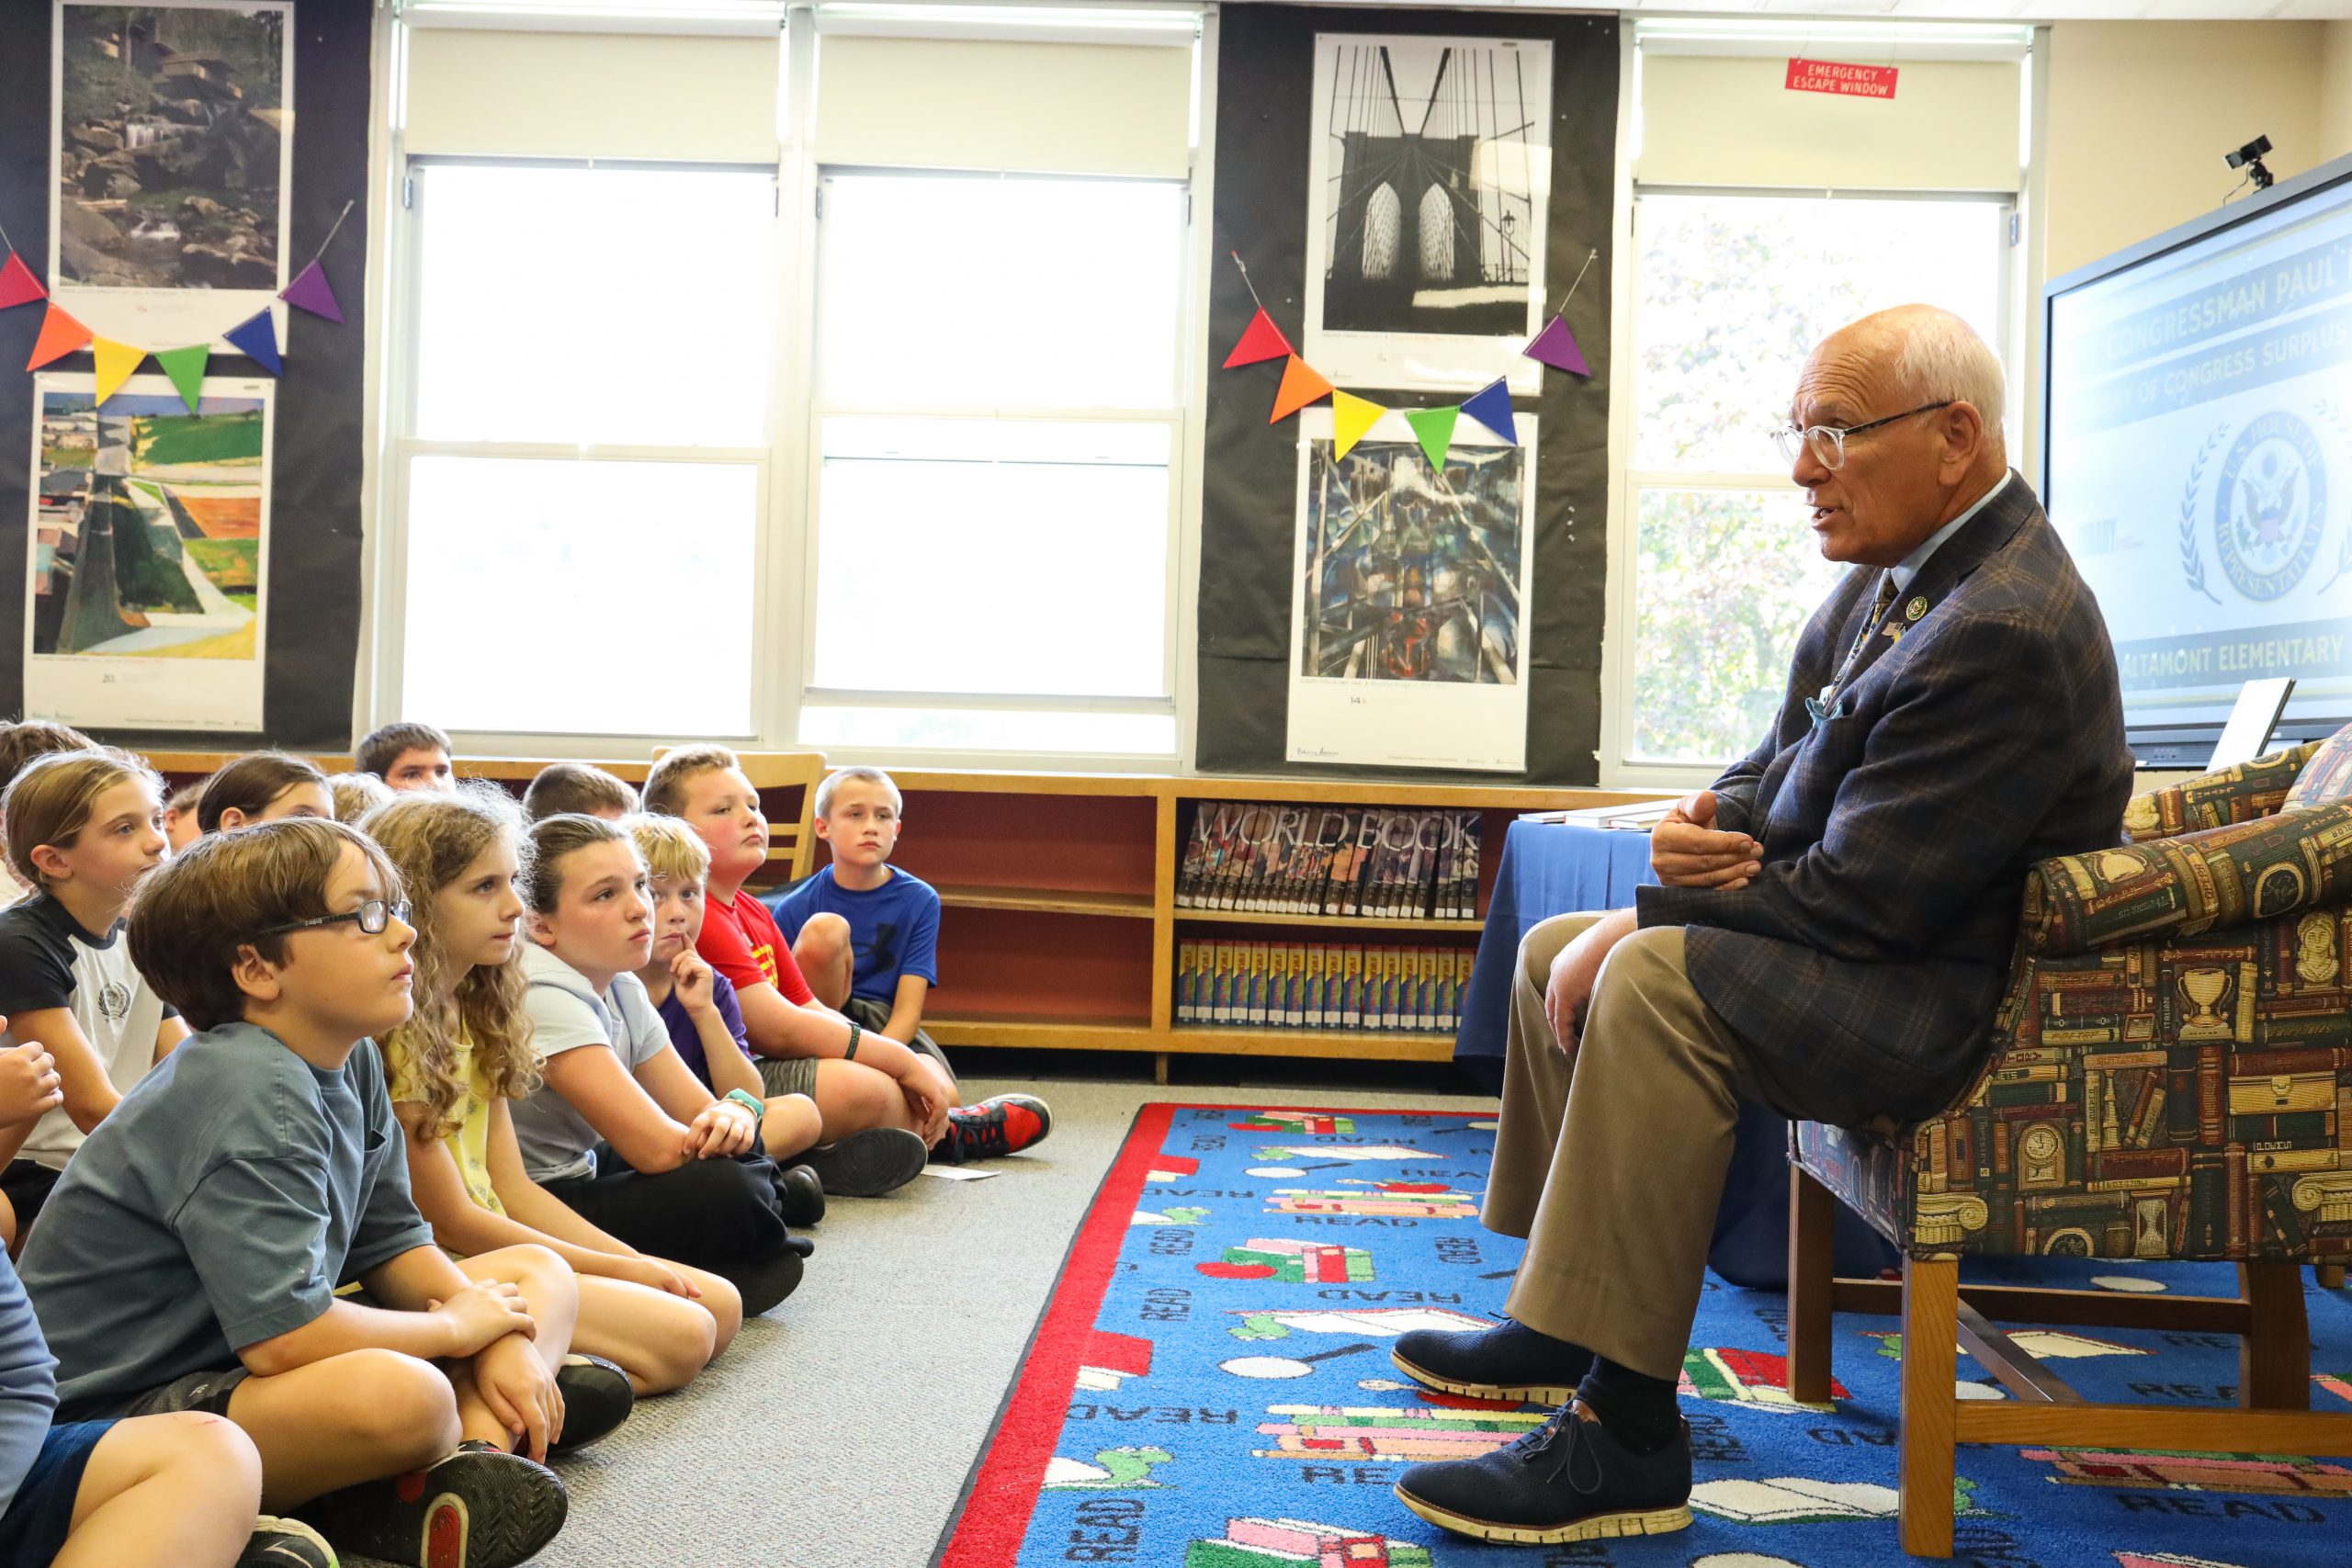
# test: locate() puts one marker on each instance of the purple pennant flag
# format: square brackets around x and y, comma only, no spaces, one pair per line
[310,292]
[1556,346]
[256,339]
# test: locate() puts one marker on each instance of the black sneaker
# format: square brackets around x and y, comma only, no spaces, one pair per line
[1510,1360]
[287,1543]
[1006,1124]
[867,1164]
[761,1285]
[802,1191]
[596,1398]
[480,1508]
[1568,1480]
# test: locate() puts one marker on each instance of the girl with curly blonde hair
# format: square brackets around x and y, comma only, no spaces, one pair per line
[455,1067]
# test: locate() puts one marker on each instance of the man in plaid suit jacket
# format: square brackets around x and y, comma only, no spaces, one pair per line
[1830,940]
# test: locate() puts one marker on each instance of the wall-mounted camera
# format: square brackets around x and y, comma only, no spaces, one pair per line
[2249,158]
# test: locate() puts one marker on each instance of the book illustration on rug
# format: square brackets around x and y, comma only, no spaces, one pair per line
[1407,1436]
[1306,1124]
[1276,985]
[1804,1500]
[2149,1469]
[1185,1216]
[1113,1469]
[1265,1369]
[2164,1560]
[1292,1263]
[1382,1199]
[1755,1378]
[1111,1359]
[2042,1344]
[1382,1323]
[1296,1543]
[1340,1152]
[1260,857]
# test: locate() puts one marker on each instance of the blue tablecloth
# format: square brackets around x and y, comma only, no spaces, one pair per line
[1561,868]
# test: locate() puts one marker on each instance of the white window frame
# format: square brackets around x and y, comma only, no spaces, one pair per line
[788,463]
[1174,418]
[2019,281]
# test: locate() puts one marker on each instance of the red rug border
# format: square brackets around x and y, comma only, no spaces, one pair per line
[1043,1383]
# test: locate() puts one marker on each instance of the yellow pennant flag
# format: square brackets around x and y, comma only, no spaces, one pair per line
[116,362]
[1351,417]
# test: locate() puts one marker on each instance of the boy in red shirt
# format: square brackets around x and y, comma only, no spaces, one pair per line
[866,1086]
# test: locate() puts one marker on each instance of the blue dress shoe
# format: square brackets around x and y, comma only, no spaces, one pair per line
[1568,1480]
[1509,1361]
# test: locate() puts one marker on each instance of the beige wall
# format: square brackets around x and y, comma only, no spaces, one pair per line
[2140,113]
[2335,90]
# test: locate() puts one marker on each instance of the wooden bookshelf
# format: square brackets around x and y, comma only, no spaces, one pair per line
[1059,924]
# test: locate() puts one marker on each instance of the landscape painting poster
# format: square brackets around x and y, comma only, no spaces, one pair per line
[170,158]
[1408,645]
[144,606]
[1428,181]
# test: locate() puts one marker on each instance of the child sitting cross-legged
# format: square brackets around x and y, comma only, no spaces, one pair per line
[465,1055]
[858,1079]
[619,1130]
[189,1259]
[263,786]
[355,795]
[85,827]
[697,1003]
[575,786]
[406,756]
[179,815]
[161,1492]
[19,744]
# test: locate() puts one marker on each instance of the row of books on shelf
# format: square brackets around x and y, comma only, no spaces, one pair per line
[1274,858]
[1320,985]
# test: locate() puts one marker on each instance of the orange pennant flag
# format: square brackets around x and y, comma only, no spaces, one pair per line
[116,362]
[61,334]
[1302,384]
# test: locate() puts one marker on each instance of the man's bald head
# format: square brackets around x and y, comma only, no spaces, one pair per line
[1939,387]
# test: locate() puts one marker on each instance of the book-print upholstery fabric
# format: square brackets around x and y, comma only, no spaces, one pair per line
[2172,1071]
[2216,799]
[2326,777]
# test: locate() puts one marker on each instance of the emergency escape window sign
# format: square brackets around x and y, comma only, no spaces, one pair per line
[1841,79]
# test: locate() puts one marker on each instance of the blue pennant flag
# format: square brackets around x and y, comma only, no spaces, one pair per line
[256,339]
[1491,408]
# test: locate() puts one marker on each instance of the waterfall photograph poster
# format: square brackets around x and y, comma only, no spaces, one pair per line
[170,158]
[149,548]
[1407,624]
[1428,178]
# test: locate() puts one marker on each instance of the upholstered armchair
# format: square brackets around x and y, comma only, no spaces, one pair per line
[2171,1078]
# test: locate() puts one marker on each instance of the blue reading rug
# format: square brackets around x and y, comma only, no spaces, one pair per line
[1209,1387]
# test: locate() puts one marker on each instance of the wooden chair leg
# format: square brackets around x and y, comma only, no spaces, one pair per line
[1931,1357]
[2275,1354]
[2331,1275]
[1813,1267]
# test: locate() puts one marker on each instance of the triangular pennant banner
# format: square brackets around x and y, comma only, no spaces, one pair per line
[186,367]
[18,284]
[116,362]
[61,334]
[1491,408]
[1260,340]
[1556,345]
[256,339]
[1302,384]
[1351,417]
[1434,429]
[309,291]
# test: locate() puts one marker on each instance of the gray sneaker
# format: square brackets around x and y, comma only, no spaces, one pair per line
[867,1164]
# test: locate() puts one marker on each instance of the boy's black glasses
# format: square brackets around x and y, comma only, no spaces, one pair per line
[372,916]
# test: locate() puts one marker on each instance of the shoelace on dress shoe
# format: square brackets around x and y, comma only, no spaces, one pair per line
[1547,1436]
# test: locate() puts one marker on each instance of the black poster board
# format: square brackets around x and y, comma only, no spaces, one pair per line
[1265,78]
[314,560]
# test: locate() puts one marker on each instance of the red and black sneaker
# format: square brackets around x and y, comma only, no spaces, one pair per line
[1005,1124]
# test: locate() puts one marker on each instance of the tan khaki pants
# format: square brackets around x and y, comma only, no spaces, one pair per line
[1612,1165]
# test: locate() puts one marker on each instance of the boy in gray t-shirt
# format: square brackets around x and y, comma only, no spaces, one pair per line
[190,1257]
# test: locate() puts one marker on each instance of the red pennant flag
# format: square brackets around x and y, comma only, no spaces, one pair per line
[18,284]
[1302,384]
[61,334]
[1260,340]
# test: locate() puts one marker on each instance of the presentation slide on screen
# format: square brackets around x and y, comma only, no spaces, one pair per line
[2200,463]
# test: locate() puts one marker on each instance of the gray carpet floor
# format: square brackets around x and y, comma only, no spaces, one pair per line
[837,1432]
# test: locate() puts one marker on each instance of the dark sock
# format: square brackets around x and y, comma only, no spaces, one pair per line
[1639,1410]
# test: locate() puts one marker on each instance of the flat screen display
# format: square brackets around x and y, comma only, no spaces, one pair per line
[2197,458]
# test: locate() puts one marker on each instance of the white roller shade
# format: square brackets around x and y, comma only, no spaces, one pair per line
[1062,109]
[564,95]
[1717,120]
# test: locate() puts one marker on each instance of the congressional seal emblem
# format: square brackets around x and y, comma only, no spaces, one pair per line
[2271,506]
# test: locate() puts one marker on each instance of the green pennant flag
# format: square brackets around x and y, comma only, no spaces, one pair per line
[186,367]
[1434,429]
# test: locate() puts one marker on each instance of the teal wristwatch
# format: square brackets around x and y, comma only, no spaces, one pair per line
[749,1101]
